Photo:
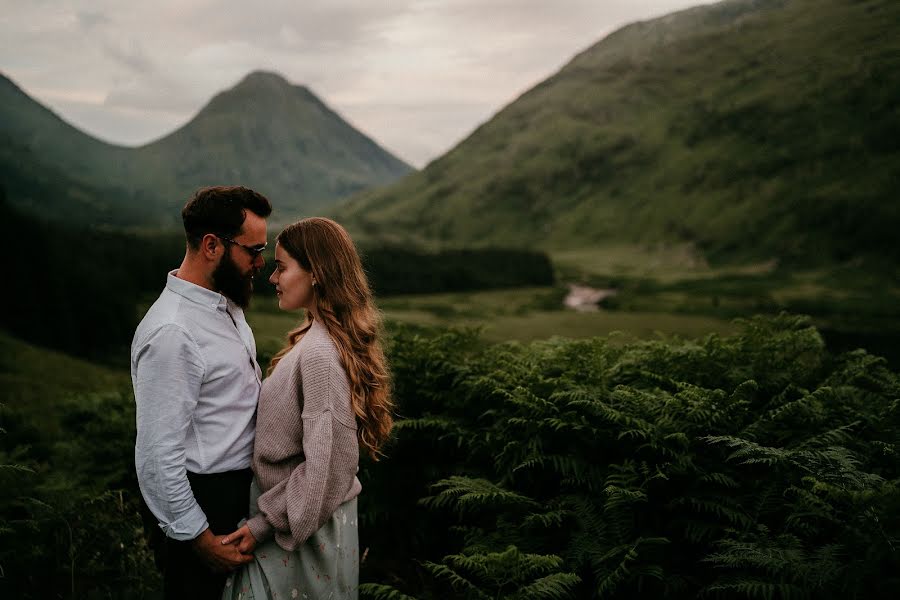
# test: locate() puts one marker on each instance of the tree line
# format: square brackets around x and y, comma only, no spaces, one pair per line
[80,289]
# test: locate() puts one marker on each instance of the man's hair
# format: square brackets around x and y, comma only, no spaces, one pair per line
[220,210]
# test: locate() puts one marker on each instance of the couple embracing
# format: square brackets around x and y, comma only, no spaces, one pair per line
[253,481]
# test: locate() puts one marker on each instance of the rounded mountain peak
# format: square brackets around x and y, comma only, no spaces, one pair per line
[263,92]
[264,80]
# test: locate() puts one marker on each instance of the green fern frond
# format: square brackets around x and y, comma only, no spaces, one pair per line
[748,452]
[510,565]
[733,514]
[526,400]
[377,591]
[618,497]
[549,519]
[16,467]
[465,494]
[838,436]
[757,588]
[610,579]
[720,479]
[551,587]
[571,468]
[455,580]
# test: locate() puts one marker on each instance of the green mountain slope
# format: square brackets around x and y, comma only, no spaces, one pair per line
[29,126]
[275,137]
[264,133]
[749,128]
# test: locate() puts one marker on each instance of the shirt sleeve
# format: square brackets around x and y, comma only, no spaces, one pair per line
[298,506]
[167,373]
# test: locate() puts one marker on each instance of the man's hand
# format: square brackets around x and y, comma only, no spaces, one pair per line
[218,556]
[243,538]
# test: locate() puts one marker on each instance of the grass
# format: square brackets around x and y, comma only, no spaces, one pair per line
[521,314]
[34,379]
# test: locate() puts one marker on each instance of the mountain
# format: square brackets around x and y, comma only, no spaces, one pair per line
[264,133]
[277,138]
[54,170]
[748,128]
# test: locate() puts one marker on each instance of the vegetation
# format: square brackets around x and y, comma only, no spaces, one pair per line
[78,289]
[70,523]
[757,465]
[752,466]
[404,270]
[748,130]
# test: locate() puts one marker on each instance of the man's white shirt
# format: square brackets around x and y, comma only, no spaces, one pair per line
[196,387]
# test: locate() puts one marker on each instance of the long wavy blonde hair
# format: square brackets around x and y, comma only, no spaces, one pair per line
[345,307]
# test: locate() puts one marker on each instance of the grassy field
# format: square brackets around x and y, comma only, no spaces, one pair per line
[34,379]
[522,314]
[660,291]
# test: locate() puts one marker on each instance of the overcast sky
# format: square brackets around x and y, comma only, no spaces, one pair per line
[416,75]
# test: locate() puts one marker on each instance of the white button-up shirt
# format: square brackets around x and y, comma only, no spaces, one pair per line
[196,386]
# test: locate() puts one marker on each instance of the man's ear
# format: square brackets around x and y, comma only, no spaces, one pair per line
[209,246]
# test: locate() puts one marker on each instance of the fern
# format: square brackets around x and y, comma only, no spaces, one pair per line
[466,495]
[556,586]
[753,465]
[376,591]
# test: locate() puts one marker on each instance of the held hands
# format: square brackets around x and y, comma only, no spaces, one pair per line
[218,554]
[243,538]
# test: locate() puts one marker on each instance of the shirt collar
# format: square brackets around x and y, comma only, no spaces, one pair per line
[195,293]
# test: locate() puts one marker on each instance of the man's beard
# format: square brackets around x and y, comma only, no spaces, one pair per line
[229,281]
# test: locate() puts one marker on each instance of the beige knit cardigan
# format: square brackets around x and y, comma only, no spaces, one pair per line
[306,455]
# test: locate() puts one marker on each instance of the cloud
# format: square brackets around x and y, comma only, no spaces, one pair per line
[89,20]
[416,75]
[129,53]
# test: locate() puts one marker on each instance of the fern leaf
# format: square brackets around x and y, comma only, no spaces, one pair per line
[377,591]
[555,586]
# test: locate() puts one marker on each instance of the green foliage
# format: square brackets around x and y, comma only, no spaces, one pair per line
[377,591]
[404,270]
[751,466]
[507,574]
[89,280]
[70,522]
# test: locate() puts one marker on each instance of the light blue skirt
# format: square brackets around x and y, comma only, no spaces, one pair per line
[325,566]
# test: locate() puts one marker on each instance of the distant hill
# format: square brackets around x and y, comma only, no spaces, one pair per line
[749,128]
[275,137]
[264,133]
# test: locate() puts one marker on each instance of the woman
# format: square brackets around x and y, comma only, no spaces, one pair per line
[325,397]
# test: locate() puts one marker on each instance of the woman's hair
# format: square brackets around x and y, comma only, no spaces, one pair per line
[345,307]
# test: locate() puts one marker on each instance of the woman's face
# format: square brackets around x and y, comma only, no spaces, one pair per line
[293,283]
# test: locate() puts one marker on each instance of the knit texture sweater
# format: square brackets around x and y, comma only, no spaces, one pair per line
[306,455]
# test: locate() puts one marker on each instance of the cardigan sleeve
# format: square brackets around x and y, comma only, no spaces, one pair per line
[298,506]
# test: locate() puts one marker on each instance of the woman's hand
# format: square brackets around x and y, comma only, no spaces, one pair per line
[243,538]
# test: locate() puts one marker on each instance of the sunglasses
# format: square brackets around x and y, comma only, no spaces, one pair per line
[253,251]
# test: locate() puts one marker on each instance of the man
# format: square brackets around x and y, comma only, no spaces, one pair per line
[196,386]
